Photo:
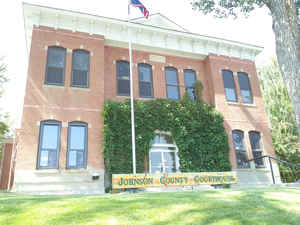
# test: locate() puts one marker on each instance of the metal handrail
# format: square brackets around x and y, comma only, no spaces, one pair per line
[270,162]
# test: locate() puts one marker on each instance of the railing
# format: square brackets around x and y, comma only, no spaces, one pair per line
[291,165]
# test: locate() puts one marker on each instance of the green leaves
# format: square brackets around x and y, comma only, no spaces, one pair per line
[281,115]
[226,8]
[196,127]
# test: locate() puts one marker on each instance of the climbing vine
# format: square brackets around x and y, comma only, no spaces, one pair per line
[197,129]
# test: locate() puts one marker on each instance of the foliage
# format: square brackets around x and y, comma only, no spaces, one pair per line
[3,125]
[196,128]
[281,115]
[3,77]
[249,206]
[225,8]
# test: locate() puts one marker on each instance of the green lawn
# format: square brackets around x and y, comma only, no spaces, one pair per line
[226,206]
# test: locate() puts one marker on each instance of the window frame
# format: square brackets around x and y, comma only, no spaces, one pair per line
[117,78]
[64,68]
[190,87]
[156,147]
[151,82]
[42,124]
[87,72]
[85,151]
[257,166]
[243,150]
[235,92]
[172,85]
[250,90]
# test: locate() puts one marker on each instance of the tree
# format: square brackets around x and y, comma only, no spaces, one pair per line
[287,35]
[281,115]
[3,125]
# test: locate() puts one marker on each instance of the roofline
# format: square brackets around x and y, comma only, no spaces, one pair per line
[142,17]
[146,25]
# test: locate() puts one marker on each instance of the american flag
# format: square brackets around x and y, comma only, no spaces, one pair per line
[137,3]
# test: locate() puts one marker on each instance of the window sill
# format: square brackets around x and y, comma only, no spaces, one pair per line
[55,171]
[249,105]
[123,96]
[241,104]
[80,88]
[233,103]
[81,170]
[46,171]
[53,86]
[150,98]
[251,169]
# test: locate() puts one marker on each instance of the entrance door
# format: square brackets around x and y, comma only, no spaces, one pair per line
[163,155]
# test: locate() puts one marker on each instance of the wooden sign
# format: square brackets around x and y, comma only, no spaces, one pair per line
[142,180]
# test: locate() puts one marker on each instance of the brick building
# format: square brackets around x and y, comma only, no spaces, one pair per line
[77,61]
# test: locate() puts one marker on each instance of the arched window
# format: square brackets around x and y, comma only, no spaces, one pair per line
[80,68]
[229,86]
[123,78]
[172,83]
[255,141]
[55,69]
[163,157]
[145,81]
[189,81]
[240,150]
[49,144]
[77,145]
[245,88]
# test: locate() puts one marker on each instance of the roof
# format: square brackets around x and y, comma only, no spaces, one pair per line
[157,34]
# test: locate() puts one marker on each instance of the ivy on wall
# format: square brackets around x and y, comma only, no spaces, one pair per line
[197,129]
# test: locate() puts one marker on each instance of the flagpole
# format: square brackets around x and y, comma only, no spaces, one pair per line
[131,93]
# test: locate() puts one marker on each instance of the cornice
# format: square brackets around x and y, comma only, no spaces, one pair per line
[146,37]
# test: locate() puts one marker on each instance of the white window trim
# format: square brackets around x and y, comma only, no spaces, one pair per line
[164,150]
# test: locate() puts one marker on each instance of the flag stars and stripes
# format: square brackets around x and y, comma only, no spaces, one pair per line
[138,4]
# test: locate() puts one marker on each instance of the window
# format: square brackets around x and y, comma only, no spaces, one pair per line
[240,151]
[55,69]
[163,154]
[229,86]
[49,145]
[145,81]
[77,145]
[80,68]
[189,81]
[256,148]
[123,78]
[172,83]
[245,88]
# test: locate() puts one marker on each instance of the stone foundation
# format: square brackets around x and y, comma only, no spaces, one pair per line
[59,181]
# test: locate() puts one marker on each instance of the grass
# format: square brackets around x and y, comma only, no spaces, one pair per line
[224,206]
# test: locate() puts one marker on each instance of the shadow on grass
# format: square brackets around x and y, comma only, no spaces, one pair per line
[252,207]
[242,207]
[12,205]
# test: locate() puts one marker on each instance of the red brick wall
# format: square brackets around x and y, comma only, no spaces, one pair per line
[240,116]
[113,54]
[66,104]
[5,166]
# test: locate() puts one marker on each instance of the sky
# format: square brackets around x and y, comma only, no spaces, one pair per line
[256,29]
